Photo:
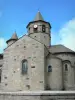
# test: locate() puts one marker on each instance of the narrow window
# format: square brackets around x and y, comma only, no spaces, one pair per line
[24,67]
[43,28]
[66,67]
[49,68]
[0,72]
[35,30]
[0,75]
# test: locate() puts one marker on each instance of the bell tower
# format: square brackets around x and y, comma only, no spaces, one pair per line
[40,30]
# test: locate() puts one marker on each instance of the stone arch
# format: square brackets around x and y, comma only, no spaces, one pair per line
[66,65]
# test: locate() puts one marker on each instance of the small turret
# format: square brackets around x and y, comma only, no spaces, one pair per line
[13,39]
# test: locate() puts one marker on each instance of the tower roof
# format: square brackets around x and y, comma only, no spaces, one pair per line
[38,17]
[14,36]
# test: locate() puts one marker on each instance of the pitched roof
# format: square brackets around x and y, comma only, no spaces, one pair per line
[38,17]
[60,48]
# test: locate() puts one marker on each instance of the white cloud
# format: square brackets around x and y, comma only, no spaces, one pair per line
[67,35]
[2,44]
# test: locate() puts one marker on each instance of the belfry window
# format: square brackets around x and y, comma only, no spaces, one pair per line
[43,28]
[49,68]
[24,66]
[35,28]
[66,67]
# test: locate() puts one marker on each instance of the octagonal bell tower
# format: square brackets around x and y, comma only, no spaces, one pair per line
[40,30]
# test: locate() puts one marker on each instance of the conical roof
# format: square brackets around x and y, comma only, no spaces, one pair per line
[38,17]
[14,36]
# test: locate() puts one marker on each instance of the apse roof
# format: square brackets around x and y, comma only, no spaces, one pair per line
[60,48]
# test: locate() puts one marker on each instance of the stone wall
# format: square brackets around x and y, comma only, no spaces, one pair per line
[12,77]
[37,95]
[69,83]
[55,78]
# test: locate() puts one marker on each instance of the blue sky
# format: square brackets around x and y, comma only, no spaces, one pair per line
[15,15]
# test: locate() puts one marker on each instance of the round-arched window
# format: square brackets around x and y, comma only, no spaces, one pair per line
[49,68]
[66,67]
[24,66]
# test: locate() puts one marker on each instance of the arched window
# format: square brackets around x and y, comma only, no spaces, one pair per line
[49,68]
[35,30]
[43,28]
[24,66]
[66,67]
[0,72]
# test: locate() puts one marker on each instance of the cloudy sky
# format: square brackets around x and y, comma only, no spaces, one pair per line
[15,15]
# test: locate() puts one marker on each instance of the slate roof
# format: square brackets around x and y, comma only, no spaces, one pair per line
[38,17]
[14,37]
[60,49]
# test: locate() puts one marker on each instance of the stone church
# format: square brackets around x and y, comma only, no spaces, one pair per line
[31,63]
